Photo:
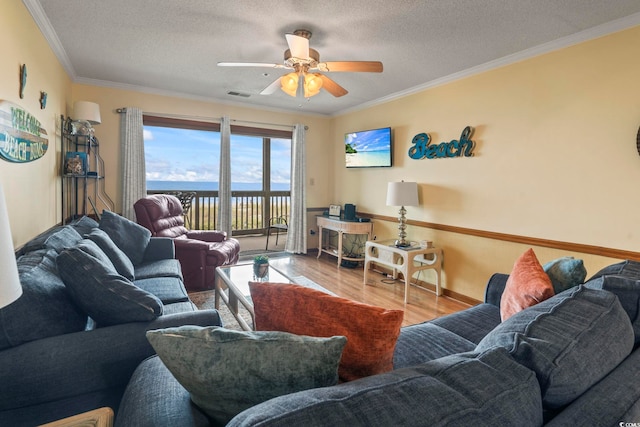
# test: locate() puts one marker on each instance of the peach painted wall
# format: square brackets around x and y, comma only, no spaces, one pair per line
[32,189]
[555,158]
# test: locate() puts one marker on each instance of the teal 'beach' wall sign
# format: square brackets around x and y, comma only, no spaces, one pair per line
[422,146]
[21,135]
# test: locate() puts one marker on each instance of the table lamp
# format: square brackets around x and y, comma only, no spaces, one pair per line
[85,115]
[402,194]
[10,288]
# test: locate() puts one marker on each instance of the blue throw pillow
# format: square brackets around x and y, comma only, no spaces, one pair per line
[570,341]
[229,371]
[130,237]
[120,260]
[107,297]
[565,273]
[45,308]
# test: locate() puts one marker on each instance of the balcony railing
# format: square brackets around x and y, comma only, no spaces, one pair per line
[249,212]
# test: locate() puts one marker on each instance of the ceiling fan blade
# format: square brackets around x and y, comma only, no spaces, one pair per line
[353,66]
[250,64]
[299,46]
[272,87]
[332,87]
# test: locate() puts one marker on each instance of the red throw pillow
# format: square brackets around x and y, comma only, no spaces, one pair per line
[527,285]
[371,331]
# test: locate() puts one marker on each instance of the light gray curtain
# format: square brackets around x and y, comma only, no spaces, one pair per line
[224,182]
[296,236]
[134,181]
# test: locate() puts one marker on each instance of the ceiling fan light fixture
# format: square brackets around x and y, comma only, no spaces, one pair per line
[289,84]
[312,84]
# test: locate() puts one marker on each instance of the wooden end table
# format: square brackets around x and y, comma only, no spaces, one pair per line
[407,261]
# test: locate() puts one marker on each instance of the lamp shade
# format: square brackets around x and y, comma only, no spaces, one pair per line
[289,84]
[402,194]
[87,111]
[10,288]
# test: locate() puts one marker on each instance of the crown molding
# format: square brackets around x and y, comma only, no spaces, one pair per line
[41,20]
[561,43]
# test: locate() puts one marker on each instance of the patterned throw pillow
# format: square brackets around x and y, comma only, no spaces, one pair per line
[229,371]
[527,285]
[372,332]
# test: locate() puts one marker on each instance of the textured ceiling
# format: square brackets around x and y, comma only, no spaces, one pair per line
[172,46]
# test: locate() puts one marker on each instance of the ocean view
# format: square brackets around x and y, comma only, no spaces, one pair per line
[211,186]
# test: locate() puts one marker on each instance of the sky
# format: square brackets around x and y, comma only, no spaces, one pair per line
[372,140]
[192,155]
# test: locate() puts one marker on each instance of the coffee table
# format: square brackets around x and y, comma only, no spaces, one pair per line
[232,286]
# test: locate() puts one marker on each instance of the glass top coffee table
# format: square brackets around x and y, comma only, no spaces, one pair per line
[232,286]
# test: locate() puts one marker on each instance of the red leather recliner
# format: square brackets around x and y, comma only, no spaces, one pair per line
[199,251]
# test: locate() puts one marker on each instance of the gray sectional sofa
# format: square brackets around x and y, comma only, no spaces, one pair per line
[72,341]
[570,360]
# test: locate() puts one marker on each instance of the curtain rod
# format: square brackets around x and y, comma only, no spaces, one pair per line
[207,119]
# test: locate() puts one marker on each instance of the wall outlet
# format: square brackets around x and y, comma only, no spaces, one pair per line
[312,232]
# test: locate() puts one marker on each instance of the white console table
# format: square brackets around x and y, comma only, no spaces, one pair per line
[341,227]
[404,260]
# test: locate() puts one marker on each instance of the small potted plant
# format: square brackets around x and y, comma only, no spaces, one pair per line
[260,266]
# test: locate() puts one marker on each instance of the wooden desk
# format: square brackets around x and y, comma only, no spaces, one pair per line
[341,227]
[404,260]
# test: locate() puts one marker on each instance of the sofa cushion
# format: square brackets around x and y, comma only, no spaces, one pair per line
[461,390]
[228,371]
[120,260]
[371,331]
[527,285]
[168,289]
[107,297]
[570,341]
[132,238]
[426,341]
[627,268]
[57,238]
[565,273]
[44,309]
[159,268]
[627,289]
[154,398]
[472,324]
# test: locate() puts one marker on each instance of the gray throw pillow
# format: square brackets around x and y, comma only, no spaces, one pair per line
[570,341]
[565,273]
[107,297]
[120,260]
[228,371]
[130,237]
[45,308]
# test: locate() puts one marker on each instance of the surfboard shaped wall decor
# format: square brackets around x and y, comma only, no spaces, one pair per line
[22,137]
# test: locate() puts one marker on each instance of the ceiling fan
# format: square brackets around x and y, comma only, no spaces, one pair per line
[305,63]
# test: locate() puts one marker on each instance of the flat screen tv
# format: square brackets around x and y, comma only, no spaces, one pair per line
[368,148]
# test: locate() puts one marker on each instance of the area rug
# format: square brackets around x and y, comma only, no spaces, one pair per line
[205,300]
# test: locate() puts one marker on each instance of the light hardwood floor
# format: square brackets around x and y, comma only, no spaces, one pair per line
[380,291]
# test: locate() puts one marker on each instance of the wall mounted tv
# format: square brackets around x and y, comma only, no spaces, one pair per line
[368,148]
